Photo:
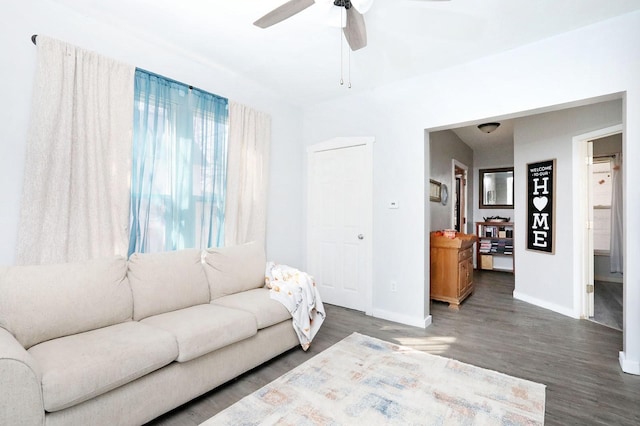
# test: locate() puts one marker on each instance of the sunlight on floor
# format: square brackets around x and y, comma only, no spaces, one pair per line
[434,345]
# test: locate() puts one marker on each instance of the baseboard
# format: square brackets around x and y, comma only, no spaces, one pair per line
[427,321]
[402,319]
[501,270]
[546,305]
[628,366]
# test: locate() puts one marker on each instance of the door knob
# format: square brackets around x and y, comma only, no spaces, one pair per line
[360,237]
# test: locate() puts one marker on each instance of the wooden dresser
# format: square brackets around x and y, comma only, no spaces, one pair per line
[451,267]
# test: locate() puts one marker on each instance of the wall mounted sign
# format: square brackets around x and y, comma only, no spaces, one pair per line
[541,206]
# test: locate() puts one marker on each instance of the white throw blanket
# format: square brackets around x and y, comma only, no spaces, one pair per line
[297,291]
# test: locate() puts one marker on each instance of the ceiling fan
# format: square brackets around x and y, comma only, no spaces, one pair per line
[355,30]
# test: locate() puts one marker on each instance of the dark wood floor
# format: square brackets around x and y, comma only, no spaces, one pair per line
[576,359]
[607,304]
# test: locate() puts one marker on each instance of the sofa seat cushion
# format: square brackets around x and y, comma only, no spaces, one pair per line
[79,367]
[204,328]
[257,301]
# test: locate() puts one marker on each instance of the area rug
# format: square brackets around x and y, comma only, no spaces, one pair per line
[362,380]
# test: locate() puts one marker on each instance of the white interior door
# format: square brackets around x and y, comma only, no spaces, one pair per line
[589,236]
[339,211]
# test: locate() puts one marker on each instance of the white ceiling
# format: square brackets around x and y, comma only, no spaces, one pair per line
[299,59]
[477,140]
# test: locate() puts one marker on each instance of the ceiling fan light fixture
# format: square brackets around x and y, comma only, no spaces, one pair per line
[488,127]
[362,6]
[336,17]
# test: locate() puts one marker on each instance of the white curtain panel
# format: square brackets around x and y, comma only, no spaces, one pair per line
[617,231]
[75,201]
[247,175]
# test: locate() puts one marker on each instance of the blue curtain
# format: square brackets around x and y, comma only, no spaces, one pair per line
[179,168]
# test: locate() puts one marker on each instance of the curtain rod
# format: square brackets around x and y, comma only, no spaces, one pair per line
[35,36]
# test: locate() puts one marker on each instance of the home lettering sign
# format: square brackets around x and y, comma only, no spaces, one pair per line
[541,205]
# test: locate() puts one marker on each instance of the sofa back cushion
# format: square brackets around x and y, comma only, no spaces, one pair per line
[167,281]
[234,269]
[44,302]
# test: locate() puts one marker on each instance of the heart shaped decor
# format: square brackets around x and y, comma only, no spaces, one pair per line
[540,203]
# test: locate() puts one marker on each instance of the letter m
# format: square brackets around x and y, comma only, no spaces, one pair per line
[541,220]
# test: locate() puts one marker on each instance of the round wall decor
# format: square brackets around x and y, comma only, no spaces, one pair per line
[444,194]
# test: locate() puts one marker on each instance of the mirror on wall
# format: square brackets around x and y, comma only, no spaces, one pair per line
[496,188]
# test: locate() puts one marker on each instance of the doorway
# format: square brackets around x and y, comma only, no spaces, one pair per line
[601,174]
[606,171]
[459,204]
[339,220]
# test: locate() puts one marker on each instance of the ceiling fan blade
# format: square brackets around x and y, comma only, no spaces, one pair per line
[355,32]
[283,12]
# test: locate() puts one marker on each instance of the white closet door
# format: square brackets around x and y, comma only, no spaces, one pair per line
[339,213]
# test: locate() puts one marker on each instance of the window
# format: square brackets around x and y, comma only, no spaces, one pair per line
[602,187]
[179,166]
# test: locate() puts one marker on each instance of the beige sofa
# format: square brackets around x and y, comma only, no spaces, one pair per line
[117,342]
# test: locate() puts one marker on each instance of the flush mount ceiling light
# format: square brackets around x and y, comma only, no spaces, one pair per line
[488,127]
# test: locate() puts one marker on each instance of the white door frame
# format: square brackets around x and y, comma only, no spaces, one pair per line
[455,163]
[367,191]
[583,256]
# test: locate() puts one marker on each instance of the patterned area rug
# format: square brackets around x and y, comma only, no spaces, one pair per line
[362,380]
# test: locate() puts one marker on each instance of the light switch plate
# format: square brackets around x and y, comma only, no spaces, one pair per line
[393,204]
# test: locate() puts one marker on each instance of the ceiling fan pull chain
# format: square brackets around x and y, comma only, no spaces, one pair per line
[341,54]
[341,67]
[349,70]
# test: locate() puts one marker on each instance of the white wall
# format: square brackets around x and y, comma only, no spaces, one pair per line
[538,77]
[445,146]
[19,20]
[399,174]
[490,158]
[544,279]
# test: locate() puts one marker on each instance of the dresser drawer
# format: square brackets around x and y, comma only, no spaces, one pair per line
[465,254]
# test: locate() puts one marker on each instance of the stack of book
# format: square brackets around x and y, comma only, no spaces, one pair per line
[485,246]
[508,248]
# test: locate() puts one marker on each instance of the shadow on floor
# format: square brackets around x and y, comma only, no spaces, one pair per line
[608,304]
